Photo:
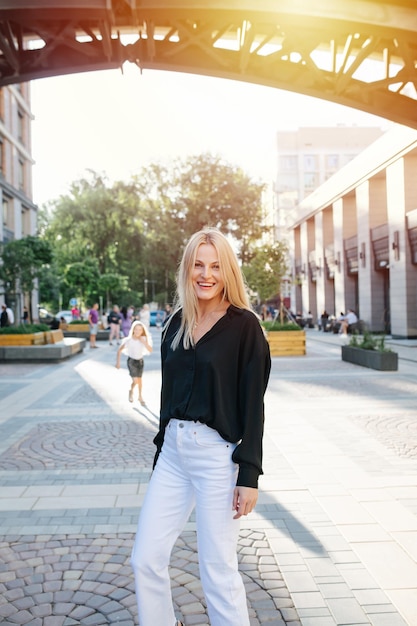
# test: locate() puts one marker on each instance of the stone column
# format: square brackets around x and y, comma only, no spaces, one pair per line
[402,272]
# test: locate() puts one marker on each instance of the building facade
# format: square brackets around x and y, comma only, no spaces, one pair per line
[19,213]
[354,240]
[307,157]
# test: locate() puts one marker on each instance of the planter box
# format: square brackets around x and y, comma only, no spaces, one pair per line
[287,342]
[77,328]
[384,361]
[30,339]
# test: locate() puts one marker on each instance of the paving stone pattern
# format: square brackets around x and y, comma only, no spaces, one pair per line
[336,513]
[70,437]
[65,580]
[396,431]
[58,445]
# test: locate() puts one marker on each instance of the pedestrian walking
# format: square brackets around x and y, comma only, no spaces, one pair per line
[215,369]
[4,320]
[136,345]
[10,315]
[75,313]
[126,320]
[115,320]
[93,322]
[145,315]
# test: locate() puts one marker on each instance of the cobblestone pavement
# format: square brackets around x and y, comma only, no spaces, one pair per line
[333,540]
[64,580]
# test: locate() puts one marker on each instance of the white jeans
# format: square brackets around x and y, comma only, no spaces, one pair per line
[194,468]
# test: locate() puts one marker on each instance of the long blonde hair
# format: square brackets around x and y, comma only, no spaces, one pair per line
[235,290]
[145,330]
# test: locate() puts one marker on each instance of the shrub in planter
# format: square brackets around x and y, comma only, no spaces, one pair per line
[23,335]
[277,326]
[370,351]
[24,329]
[369,342]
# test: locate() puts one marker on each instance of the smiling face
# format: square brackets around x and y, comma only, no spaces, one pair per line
[206,275]
[137,331]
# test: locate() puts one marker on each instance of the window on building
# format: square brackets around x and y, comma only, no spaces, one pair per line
[288,162]
[21,175]
[310,181]
[1,156]
[332,161]
[310,162]
[7,212]
[20,126]
[8,219]
[25,221]
[287,182]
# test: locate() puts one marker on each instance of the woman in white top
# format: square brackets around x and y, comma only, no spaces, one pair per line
[145,315]
[136,345]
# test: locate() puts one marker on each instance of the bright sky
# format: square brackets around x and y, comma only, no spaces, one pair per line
[116,123]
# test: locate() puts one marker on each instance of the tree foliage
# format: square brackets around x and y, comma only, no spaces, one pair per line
[136,231]
[22,263]
[267,268]
[115,286]
[94,225]
[82,279]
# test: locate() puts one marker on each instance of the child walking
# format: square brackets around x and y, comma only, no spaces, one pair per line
[136,345]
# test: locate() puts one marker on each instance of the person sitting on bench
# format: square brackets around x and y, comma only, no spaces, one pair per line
[349,322]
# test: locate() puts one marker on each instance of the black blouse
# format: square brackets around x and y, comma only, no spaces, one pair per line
[220,382]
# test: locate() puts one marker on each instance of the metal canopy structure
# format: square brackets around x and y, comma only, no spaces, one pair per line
[358,53]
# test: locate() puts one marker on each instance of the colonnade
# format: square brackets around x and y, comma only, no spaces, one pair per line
[354,243]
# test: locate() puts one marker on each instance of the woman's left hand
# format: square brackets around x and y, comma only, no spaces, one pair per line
[244,500]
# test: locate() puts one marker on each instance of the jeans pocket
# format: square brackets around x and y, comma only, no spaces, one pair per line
[207,437]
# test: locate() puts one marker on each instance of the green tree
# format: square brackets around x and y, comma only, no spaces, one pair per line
[177,200]
[215,193]
[266,270]
[51,286]
[138,229]
[163,237]
[95,221]
[114,286]
[83,279]
[22,263]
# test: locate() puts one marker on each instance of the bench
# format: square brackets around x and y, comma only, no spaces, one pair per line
[48,352]
[54,336]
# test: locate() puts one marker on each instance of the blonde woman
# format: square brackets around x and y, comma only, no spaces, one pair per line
[136,345]
[215,369]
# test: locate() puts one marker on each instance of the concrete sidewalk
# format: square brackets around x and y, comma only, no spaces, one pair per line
[333,540]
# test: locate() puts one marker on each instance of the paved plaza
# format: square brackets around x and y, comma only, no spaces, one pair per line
[333,540]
